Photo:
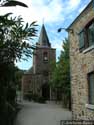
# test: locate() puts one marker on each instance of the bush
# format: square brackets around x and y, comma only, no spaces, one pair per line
[28,96]
[42,100]
[35,97]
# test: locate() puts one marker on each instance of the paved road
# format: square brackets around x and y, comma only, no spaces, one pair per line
[41,114]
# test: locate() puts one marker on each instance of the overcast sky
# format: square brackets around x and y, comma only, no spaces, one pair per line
[55,13]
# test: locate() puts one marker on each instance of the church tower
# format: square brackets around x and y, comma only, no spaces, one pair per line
[39,76]
[44,54]
[42,59]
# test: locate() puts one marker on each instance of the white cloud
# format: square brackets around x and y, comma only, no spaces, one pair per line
[70,6]
[51,11]
[57,44]
[73,4]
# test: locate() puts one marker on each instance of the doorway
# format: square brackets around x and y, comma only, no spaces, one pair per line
[46,91]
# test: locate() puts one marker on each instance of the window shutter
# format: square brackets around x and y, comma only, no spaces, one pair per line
[81,39]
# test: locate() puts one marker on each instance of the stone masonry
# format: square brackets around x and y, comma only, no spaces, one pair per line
[81,63]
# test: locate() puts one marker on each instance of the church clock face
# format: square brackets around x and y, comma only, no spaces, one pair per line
[45,58]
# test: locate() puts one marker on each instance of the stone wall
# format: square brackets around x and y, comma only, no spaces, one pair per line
[26,80]
[34,79]
[32,83]
[38,64]
[81,63]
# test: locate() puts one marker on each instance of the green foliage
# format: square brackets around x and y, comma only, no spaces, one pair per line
[60,79]
[13,45]
[61,71]
[64,65]
[13,36]
[18,78]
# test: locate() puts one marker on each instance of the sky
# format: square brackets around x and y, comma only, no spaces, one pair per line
[54,14]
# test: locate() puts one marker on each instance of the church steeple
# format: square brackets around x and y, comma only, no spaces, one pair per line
[43,38]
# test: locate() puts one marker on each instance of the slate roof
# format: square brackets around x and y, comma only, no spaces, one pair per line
[43,38]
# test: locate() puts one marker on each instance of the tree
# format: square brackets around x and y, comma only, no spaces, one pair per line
[14,34]
[60,79]
[13,45]
[18,78]
[65,65]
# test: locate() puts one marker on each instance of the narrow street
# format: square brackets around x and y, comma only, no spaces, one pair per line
[41,114]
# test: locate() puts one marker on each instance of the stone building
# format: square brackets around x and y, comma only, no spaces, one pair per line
[37,78]
[81,37]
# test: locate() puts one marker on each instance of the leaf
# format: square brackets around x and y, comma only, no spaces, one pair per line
[33,23]
[7,15]
[14,3]
[26,26]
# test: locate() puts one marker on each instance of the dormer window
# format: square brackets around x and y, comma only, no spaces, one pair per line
[86,36]
[45,56]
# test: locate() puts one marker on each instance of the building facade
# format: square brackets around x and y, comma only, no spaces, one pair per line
[81,37]
[37,78]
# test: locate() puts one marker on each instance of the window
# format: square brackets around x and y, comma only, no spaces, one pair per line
[91,34]
[45,56]
[86,36]
[91,87]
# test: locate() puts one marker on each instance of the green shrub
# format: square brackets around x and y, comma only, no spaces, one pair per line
[42,100]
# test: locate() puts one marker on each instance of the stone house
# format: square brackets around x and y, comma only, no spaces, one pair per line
[37,78]
[81,37]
